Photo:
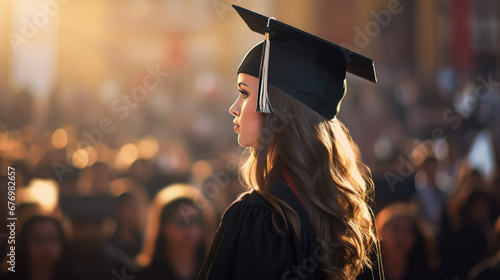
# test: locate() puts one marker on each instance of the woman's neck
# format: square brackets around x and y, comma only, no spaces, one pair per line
[395,265]
[183,260]
[40,272]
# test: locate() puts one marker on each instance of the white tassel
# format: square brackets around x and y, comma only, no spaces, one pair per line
[263,104]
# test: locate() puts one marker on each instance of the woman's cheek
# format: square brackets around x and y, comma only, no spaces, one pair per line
[250,126]
[251,135]
[256,126]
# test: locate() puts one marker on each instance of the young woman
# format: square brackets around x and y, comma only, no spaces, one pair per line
[179,231]
[404,244]
[42,251]
[126,241]
[305,214]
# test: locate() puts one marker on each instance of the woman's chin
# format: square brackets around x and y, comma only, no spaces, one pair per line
[242,142]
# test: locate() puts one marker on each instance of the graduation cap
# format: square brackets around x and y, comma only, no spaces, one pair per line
[306,67]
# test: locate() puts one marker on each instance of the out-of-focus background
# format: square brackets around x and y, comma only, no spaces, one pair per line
[114,126]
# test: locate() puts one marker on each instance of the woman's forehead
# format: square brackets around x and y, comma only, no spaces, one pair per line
[246,80]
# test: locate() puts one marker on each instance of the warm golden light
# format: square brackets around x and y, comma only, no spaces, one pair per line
[103,152]
[126,156]
[148,147]
[422,151]
[19,151]
[202,169]
[59,138]
[3,141]
[6,141]
[118,186]
[92,155]
[29,132]
[128,153]
[44,192]
[34,155]
[80,159]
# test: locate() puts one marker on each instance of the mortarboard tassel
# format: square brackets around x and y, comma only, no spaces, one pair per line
[263,104]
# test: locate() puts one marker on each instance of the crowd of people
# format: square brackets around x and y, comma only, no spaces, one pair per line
[145,200]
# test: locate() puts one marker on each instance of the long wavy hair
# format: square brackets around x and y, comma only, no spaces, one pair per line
[319,155]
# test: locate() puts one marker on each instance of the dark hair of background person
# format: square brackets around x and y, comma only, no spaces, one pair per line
[63,269]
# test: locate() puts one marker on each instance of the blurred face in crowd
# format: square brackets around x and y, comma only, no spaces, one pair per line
[184,228]
[478,213]
[398,236]
[45,244]
[247,121]
[128,213]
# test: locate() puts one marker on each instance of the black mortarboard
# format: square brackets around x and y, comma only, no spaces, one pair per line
[307,67]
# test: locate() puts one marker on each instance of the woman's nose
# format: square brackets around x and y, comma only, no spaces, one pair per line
[233,110]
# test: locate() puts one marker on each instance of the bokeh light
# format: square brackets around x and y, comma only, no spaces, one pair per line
[126,156]
[80,158]
[148,147]
[92,155]
[201,169]
[43,192]
[59,138]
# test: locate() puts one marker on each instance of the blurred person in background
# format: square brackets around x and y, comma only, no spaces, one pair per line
[431,199]
[467,243]
[494,190]
[468,180]
[42,251]
[126,242]
[144,172]
[228,193]
[45,166]
[404,244]
[490,267]
[180,229]
[4,213]
[91,227]
[23,174]
[101,177]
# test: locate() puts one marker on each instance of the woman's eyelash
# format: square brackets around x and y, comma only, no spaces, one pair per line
[244,93]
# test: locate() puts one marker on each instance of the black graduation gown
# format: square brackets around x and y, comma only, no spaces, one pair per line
[247,245]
